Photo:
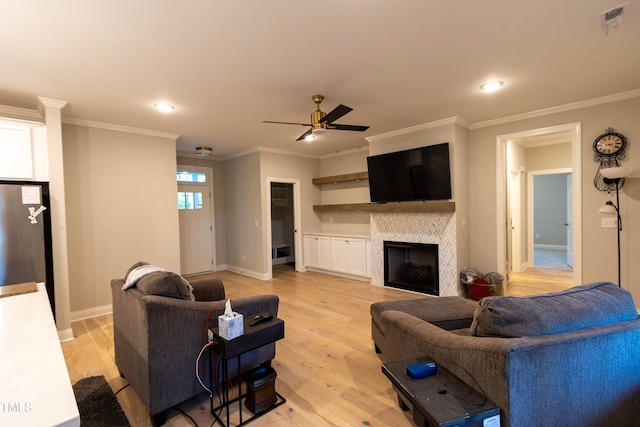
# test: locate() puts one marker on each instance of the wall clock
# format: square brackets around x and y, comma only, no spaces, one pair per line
[609,143]
[609,149]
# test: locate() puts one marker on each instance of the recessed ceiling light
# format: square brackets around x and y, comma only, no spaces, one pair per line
[164,107]
[491,86]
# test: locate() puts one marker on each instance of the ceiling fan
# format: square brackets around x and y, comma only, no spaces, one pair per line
[320,121]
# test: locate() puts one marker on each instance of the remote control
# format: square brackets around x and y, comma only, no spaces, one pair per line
[259,318]
[422,369]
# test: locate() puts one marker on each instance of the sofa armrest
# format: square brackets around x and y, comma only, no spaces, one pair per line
[529,378]
[209,289]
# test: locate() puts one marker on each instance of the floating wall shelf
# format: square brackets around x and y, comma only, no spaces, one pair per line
[426,206]
[358,176]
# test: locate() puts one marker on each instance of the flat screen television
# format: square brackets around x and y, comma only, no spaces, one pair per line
[410,175]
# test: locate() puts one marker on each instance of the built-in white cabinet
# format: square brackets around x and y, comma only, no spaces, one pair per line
[317,251]
[348,255]
[337,254]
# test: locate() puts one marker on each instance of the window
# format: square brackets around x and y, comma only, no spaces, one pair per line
[191,177]
[189,200]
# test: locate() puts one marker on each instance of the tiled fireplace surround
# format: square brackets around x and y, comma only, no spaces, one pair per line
[431,227]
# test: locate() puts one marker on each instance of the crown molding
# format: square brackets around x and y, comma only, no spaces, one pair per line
[53,103]
[424,126]
[118,128]
[345,152]
[558,109]
[271,150]
[21,114]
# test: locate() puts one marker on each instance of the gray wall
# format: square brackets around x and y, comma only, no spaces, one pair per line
[121,208]
[598,244]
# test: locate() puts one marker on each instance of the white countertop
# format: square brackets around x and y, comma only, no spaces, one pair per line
[35,389]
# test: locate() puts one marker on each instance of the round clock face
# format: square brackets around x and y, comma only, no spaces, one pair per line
[609,144]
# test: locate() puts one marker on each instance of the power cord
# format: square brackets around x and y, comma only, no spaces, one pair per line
[121,388]
[186,415]
[207,345]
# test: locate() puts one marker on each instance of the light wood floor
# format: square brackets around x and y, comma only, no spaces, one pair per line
[326,365]
[539,281]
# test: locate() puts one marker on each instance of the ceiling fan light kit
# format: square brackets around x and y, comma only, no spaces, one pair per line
[321,121]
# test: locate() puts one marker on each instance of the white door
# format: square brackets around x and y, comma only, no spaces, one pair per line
[194,207]
[516,229]
[569,223]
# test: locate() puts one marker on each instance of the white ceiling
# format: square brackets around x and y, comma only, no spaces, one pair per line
[228,65]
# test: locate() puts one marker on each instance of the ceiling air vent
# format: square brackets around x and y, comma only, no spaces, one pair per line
[612,19]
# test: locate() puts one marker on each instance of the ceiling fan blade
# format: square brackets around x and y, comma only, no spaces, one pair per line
[304,135]
[335,114]
[348,127]
[287,123]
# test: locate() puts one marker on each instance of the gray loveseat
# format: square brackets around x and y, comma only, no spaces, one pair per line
[159,328]
[570,358]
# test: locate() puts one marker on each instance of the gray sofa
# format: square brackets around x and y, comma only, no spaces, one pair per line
[159,330]
[570,358]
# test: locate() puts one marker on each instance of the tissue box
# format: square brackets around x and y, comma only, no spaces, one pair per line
[230,327]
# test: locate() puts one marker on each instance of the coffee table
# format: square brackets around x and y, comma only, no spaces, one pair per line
[440,400]
[254,336]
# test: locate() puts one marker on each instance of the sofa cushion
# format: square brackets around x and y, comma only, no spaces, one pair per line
[575,308]
[451,312]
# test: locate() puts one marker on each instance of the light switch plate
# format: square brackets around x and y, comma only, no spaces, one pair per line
[609,222]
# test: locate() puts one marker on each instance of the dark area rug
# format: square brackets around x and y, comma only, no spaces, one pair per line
[97,404]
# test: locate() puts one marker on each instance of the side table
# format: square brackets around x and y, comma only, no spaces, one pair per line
[254,336]
[440,400]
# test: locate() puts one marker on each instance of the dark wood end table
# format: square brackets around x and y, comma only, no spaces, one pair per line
[440,400]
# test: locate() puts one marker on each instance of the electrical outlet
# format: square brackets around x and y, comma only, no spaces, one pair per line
[609,222]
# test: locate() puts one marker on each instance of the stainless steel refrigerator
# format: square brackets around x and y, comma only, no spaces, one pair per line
[25,235]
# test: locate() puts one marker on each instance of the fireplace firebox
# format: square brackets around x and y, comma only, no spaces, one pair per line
[411,266]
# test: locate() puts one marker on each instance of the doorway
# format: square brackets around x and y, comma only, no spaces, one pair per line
[283,246]
[512,151]
[195,208]
[550,228]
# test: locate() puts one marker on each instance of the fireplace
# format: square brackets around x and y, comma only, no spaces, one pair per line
[411,266]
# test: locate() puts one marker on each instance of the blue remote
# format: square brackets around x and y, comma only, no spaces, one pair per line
[422,369]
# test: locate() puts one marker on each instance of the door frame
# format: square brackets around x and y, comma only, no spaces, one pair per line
[501,190]
[209,172]
[297,223]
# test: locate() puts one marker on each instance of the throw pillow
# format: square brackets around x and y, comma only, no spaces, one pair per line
[165,283]
[576,308]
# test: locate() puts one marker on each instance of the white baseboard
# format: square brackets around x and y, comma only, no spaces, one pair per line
[552,247]
[337,274]
[65,335]
[91,312]
[248,273]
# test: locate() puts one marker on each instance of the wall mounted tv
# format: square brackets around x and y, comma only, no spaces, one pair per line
[410,175]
